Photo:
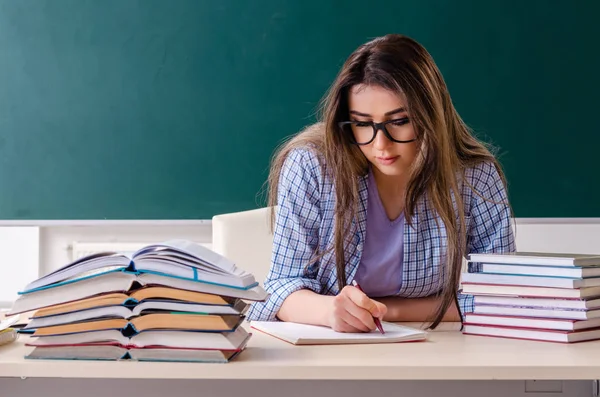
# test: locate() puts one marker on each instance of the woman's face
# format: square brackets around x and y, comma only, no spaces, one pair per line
[373,103]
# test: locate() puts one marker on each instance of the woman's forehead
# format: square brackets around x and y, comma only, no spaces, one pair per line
[372,99]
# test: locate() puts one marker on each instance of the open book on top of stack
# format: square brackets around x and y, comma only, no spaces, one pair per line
[540,296]
[174,301]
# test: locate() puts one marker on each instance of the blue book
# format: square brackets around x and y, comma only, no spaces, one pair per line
[537,258]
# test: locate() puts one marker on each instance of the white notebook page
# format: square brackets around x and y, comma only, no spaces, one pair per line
[303,333]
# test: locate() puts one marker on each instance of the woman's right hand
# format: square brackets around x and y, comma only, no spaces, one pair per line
[353,311]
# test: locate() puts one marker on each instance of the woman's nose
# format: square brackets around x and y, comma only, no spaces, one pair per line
[381,141]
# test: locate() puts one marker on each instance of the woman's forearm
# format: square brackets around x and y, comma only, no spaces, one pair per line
[416,309]
[307,307]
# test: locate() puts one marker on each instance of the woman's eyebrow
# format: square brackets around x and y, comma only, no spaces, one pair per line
[399,110]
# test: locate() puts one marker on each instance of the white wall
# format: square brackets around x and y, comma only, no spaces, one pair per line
[19,258]
[558,235]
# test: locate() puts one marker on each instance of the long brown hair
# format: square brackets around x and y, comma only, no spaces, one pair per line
[447,147]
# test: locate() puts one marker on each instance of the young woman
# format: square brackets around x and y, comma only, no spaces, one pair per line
[390,189]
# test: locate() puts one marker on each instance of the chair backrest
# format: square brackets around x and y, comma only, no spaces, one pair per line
[245,238]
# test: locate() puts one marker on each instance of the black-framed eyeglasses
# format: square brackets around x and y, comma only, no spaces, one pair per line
[364,132]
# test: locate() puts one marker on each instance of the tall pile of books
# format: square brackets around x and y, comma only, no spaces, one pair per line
[539,296]
[174,301]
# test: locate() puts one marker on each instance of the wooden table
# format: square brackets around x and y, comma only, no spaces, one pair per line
[447,355]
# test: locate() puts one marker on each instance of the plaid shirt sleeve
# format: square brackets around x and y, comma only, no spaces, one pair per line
[296,234]
[491,229]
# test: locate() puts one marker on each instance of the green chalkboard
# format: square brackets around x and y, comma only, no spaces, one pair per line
[149,109]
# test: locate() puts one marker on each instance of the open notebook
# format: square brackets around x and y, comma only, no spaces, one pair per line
[303,334]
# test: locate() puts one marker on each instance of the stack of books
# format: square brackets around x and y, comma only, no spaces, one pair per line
[174,301]
[539,296]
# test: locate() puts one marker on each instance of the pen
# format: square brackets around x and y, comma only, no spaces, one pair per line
[377,322]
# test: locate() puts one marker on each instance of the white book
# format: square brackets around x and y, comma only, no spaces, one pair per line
[121,282]
[163,338]
[304,334]
[538,258]
[529,322]
[533,334]
[120,311]
[537,312]
[176,258]
[528,291]
[552,271]
[119,353]
[549,303]
[534,281]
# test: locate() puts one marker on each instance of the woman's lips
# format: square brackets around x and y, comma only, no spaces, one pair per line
[388,160]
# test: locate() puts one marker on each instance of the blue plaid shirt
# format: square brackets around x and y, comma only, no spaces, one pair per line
[305,224]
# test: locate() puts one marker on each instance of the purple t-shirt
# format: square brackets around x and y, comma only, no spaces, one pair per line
[380,270]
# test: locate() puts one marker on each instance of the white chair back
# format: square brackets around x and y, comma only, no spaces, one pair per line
[245,238]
